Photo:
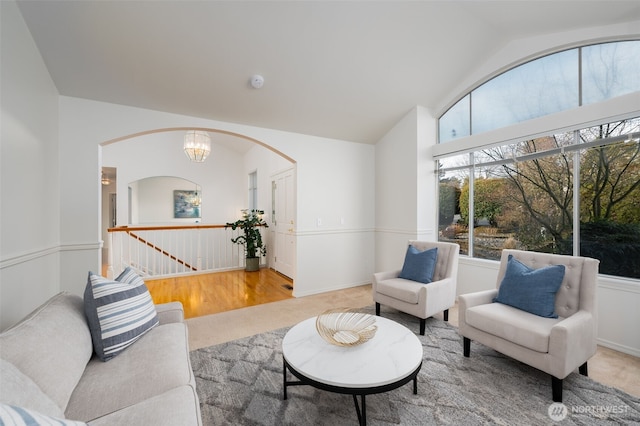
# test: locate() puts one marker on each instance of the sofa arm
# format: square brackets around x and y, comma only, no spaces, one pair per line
[438,295]
[381,276]
[469,300]
[572,342]
[170,312]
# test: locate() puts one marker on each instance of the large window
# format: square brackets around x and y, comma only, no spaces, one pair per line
[609,208]
[610,70]
[547,85]
[537,88]
[570,193]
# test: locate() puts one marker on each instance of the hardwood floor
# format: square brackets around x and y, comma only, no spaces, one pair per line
[206,294]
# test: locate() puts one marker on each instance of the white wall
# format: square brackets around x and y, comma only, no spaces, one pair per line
[335,184]
[30,209]
[221,176]
[427,194]
[619,314]
[405,188]
[156,203]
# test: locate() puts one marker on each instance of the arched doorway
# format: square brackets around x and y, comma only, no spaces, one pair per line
[222,177]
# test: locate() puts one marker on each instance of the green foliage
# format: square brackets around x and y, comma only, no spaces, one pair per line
[251,239]
[449,201]
[616,245]
[488,199]
[610,183]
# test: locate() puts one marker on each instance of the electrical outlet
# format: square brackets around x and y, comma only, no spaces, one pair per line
[319,222]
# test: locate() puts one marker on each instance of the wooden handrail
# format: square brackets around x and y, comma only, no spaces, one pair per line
[127,228]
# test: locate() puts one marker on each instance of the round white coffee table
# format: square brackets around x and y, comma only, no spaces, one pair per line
[390,359]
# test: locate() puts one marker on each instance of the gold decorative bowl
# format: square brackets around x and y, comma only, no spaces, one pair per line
[346,327]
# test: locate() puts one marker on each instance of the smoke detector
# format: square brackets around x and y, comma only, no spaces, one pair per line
[257,81]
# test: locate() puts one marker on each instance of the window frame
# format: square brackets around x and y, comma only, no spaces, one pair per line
[576,148]
[616,108]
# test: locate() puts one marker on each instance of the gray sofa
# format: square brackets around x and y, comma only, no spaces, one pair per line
[47,365]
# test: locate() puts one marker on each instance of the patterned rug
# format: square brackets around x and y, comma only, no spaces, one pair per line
[240,383]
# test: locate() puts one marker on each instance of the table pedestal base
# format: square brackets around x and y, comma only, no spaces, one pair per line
[361,408]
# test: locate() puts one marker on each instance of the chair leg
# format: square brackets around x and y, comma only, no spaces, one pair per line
[377,309]
[446,315]
[583,369]
[556,389]
[466,346]
[423,323]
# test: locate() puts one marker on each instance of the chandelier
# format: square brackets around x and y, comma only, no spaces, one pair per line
[197,145]
[104,179]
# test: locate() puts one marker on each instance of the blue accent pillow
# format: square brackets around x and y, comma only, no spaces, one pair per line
[532,290]
[118,312]
[419,265]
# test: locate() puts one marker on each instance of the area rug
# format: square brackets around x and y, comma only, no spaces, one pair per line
[240,383]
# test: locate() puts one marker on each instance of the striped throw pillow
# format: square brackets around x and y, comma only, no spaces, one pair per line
[118,312]
[11,415]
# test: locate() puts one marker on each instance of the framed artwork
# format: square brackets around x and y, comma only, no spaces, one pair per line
[186,204]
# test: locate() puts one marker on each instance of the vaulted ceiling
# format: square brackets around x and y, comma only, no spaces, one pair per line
[340,69]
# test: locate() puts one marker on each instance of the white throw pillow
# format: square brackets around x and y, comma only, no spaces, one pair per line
[10,415]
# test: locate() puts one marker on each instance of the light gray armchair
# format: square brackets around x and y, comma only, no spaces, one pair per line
[415,298]
[556,346]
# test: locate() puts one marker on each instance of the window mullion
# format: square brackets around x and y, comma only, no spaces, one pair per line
[576,195]
[472,219]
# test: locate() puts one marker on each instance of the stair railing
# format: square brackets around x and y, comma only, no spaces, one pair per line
[174,250]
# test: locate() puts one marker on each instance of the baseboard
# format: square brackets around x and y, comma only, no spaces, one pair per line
[618,347]
[326,290]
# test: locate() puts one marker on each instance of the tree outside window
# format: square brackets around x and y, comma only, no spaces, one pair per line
[523,197]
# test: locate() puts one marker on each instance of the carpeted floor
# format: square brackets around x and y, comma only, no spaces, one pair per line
[240,383]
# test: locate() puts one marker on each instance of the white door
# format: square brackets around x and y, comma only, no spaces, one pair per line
[284,222]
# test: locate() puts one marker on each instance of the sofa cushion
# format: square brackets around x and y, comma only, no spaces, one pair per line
[419,265]
[119,312]
[512,324]
[51,346]
[13,415]
[532,290]
[158,362]
[19,390]
[401,289]
[177,406]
